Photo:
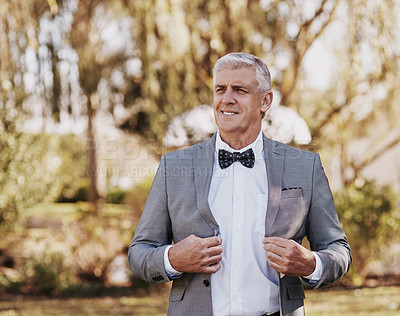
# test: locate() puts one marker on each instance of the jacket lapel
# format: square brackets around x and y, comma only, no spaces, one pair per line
[274,160]
[203,161]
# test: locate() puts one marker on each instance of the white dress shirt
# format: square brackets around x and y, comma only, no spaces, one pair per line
[245,284]
[238,197]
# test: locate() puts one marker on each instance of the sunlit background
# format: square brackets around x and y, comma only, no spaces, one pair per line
[94,92]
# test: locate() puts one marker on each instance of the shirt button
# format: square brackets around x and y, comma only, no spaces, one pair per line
[235,297]
[206,283]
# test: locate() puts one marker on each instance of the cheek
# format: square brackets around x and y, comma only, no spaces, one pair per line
[215,104]
[256,107]
[215,115]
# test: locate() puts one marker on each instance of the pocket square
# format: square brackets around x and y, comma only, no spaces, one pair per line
[293,188]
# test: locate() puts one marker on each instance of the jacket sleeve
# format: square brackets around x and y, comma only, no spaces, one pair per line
[153,234]
[324,232]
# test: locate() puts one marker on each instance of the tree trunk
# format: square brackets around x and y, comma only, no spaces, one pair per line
[92,158]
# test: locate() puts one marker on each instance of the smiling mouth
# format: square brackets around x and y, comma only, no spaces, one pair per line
[228,113]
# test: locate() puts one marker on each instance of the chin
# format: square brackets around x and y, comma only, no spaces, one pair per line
[227,128]
[228,125]
[229,131]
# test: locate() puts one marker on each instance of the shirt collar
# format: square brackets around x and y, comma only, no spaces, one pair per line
[257,145]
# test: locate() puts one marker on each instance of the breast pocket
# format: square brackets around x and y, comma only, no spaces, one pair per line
[291,193]
[290,220]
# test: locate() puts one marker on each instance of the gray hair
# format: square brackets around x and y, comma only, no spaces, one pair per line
[239,60]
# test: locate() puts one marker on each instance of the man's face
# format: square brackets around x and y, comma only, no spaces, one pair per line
[238,104]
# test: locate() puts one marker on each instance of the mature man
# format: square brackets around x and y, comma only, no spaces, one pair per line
[237,208]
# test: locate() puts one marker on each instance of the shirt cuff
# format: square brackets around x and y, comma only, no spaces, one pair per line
[169,270]
[316,275]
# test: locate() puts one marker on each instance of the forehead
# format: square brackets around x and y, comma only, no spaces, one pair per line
[240,76]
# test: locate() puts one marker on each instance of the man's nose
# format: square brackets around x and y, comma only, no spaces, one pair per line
[228,97]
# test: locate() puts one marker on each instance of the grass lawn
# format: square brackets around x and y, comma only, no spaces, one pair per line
[366,301]
[109,306]
[57,210]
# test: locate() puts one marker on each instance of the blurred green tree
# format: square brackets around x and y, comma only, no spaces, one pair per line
[23,180]
[357,117]
[35,168]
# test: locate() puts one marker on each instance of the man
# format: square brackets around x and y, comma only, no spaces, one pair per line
[237,208]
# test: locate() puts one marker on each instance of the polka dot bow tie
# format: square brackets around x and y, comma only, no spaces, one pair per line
[226,158]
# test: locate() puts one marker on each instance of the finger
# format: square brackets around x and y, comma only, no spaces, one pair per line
[273,248]
[212,268]
[274,257]
[275,240]
[213,260]
[216,250]
[212,241]
[275,266]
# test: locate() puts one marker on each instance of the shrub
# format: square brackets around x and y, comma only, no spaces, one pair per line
[91,247]
[47,275]
[38,166]
[79,192]
[115,195]
[365,211]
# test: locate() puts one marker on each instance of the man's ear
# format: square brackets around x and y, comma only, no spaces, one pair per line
[266,101]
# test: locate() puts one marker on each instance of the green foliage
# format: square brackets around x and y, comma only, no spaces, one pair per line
[73,258]
[115,195]
[47,275]
[77,191]
[34,168]
[92,246]
[10,285]
[368,214]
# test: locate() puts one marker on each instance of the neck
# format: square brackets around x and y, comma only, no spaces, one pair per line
[236,142]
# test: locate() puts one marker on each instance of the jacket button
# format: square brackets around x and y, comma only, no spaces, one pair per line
[206,283]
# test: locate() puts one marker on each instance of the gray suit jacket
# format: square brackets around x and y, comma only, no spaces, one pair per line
[300,204]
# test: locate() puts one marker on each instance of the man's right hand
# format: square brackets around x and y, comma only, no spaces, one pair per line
[196,255]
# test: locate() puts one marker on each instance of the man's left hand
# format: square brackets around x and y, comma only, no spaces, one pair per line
[288,257]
